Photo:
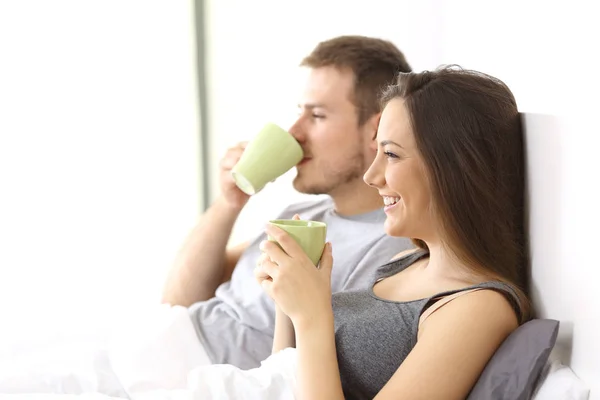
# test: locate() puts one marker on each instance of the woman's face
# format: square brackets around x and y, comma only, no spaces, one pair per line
[399,174]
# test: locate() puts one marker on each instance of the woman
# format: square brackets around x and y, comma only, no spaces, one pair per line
[450,170]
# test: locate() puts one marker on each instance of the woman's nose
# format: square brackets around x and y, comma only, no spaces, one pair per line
[374,176]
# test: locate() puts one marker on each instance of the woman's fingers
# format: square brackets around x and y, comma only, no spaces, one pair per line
[287,244]
[259,272]
[274,251]
[266,268]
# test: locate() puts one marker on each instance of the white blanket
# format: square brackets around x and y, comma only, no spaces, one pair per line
[157,355]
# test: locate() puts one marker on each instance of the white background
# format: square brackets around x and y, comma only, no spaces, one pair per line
[99,166]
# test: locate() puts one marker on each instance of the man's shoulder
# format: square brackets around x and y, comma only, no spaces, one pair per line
[308,209]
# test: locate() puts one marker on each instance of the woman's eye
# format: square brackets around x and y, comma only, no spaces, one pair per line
[390,155]
[318,116]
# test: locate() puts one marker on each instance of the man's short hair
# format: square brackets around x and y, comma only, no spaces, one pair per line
[374,62]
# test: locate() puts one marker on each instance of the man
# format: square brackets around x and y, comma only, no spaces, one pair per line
[336,127]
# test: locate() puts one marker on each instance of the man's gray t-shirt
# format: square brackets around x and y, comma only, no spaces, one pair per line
[236,326]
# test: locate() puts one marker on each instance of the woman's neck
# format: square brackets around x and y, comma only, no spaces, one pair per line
[443,263]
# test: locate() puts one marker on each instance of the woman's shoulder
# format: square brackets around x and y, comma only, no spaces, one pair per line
[486,305]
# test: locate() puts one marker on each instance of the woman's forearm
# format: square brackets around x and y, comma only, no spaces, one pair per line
[284,332]
[318,370]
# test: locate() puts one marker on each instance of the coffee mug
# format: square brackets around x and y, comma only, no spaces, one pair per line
[270,154]
[310,235]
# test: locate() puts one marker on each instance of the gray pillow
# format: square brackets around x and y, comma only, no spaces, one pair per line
[513,371]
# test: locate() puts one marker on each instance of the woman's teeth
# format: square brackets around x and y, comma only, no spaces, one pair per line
[388,201]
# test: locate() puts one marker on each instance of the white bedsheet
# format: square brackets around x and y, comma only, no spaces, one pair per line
[154,356]
[559,382]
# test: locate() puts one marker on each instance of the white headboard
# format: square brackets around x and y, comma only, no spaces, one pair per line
[564,227]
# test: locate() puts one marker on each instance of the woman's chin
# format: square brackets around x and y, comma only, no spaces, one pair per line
[393,229]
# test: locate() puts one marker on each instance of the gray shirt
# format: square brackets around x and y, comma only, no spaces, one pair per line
[373,336]
[236,326]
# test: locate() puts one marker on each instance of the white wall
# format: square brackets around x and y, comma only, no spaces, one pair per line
[545,51]
[99,166]
[564,219]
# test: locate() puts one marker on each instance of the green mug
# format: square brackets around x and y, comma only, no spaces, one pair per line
[310,235]
[270,154]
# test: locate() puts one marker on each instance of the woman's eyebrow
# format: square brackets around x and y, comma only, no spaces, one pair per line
[386,142]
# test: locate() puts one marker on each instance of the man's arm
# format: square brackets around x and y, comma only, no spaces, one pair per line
[204,262]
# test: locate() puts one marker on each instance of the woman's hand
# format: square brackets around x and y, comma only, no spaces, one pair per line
[301,290]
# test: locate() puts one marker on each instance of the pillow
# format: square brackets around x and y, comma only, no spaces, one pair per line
[513,371]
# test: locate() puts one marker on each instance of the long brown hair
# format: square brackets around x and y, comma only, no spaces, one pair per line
[468,131]
[374,63]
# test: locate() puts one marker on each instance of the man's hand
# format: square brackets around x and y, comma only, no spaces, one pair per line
[232,195]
